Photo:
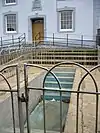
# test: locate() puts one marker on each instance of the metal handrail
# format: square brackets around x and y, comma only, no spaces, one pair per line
[13,40]
[37,35]
[65,40]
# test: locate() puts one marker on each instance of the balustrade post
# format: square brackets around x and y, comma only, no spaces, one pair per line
[81,40]
[53,39]
[67,40]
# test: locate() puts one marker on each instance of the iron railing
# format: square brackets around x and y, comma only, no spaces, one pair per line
[67,41]
[78,92]
[25,98]
[12,91]
[10,45]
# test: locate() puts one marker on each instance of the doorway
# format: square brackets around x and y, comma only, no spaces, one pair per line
[38,30]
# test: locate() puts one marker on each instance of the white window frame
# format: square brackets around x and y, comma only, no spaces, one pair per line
[65,30]
[5,19]
[9,3]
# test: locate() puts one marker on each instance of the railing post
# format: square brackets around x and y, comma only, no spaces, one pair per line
[40,36]
[13,39]
[97,41]
[67,40]
[53,39]
[81,40]
[1,42]
[21,118]
[20,107]
[27,97]
[25,37]
[34,42]
[19,42]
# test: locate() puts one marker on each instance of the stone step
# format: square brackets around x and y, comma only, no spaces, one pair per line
[66,55]
[56,96]
[61,79]
[55,85]
[58,60]
[63,74]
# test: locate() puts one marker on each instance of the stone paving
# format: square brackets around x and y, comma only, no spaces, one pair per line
[87,106]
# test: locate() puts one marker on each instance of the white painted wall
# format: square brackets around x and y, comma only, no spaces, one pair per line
[83,17]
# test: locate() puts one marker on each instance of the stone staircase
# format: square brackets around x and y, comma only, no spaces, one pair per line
[56,55]
[65,77]
[51,56]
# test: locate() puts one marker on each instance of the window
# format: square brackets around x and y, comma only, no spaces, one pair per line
[10,2]
[36,5]
[66,20]
[10,23]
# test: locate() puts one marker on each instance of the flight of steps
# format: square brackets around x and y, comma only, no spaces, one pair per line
[56,55]
[66,77]
[52,55]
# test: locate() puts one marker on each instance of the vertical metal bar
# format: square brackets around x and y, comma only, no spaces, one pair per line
[96,46]
[13,39]
[97,42]
[60,112]
[40,37]
[81,40]
[34,42]
[1,42]
[25,38]
[20,110]
[19,43]
[53,39]
[12,101]
[67,40]
[96,124]
[13,114]
[77,113]
[27,97]
[44,111]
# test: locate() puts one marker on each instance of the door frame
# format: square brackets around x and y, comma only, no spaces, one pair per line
[30,19]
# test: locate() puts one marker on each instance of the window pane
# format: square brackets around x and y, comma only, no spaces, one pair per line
[11,22]
[61,16]
[10,1]
[62,25]
[66,19]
